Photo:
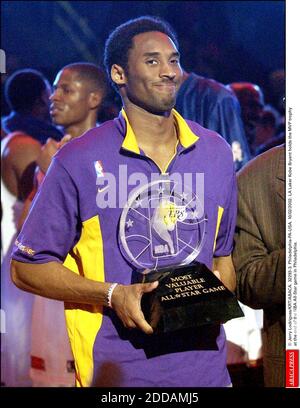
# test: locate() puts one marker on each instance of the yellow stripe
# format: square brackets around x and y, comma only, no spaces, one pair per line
[186,136]
[130,142]
[84,321]
[220,214]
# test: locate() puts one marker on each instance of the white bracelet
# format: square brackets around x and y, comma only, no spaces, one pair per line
[109,294]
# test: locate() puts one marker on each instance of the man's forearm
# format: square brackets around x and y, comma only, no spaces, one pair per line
[55,281]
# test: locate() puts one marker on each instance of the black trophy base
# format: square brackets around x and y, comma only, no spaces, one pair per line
[187,296]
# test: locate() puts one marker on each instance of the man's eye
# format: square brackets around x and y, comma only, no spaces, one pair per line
[175,61]
[151,62]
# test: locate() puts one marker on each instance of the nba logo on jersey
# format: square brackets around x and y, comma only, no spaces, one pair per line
[98,168]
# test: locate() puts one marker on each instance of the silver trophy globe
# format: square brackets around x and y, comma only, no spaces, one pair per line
[162,231]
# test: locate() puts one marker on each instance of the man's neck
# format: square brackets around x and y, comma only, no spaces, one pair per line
[78,129]
[151,130]
[156,135]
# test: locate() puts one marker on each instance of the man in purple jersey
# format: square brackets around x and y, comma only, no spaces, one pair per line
[69,249]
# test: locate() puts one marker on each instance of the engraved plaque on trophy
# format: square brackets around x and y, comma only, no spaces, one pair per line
[161,233]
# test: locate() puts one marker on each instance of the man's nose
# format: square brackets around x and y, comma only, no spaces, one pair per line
[55,95]
[168,71]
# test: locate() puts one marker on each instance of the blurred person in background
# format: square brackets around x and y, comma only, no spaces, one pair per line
[251,100]
[27,94]
[26,128]
[215,107]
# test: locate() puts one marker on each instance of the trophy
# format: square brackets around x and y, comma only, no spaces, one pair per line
[161,232]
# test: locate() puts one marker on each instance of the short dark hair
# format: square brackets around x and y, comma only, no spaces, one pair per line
[91,73]
[119,42]
[23,88]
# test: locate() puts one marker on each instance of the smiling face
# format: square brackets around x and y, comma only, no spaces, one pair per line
[70,100]
[153,74]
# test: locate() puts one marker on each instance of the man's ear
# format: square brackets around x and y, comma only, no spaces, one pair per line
[95,99]
[117,74]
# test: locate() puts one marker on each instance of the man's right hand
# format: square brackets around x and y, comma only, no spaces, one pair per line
[48,151]
[126,302]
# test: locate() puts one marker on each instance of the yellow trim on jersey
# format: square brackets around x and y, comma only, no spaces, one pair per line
[220,214]
[84,321]
[186,136]
[130,142]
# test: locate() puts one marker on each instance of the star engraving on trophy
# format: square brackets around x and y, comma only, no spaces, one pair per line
[129,223]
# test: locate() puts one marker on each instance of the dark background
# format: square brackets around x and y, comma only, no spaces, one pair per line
[226,40]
